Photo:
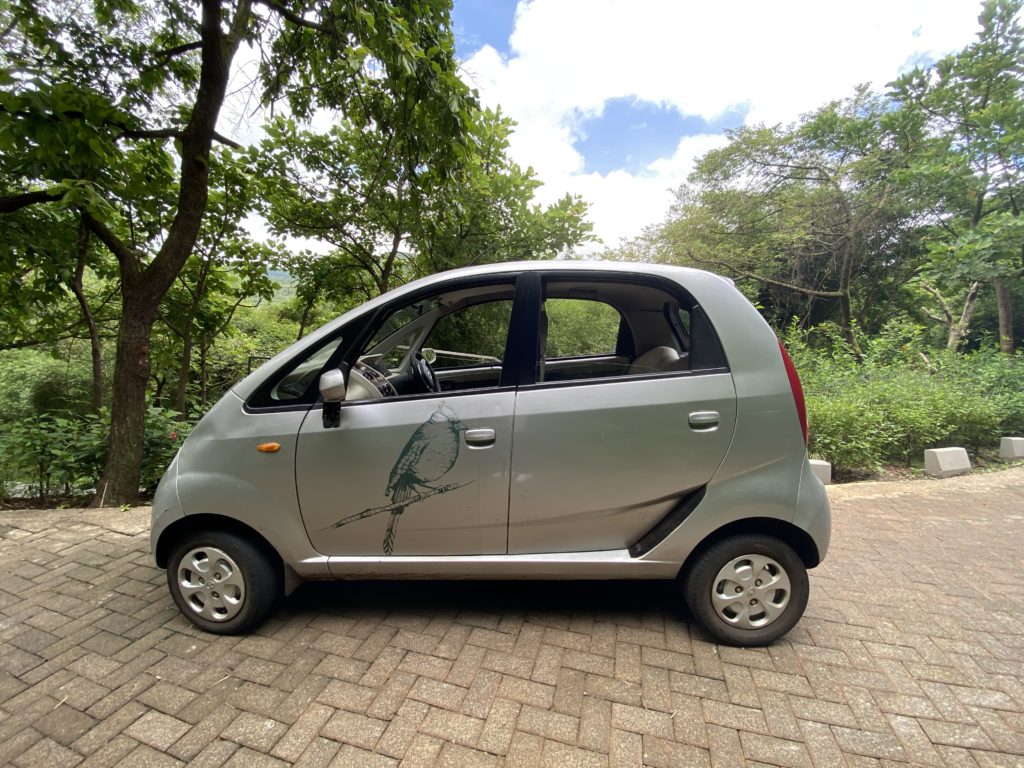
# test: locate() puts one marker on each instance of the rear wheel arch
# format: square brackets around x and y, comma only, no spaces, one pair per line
[794,536]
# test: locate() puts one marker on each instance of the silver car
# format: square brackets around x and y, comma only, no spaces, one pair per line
[543,420]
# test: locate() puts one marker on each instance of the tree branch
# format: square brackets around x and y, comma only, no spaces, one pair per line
[226,141]
[170,53]
[12,203]
[171,133]
[125,255]
[943,304]
[161,58]
[770,281]
[294,18]
[152,133]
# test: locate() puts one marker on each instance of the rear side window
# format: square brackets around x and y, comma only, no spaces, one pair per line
[580,328]
[592,328]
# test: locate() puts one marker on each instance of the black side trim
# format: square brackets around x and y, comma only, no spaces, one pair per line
[524,333]
[705,347]
[623,379]
[668,523]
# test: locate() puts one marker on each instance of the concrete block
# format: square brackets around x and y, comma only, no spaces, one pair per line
[823,470]
[1011,448]
[946,462]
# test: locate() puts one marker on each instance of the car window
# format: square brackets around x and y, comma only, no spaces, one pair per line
[594,329]
[474,335]
[401,318]
[393,357]
[295,384]
[579,327]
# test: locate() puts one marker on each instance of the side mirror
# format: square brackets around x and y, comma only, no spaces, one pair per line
[332,386]
[430,355]
[332,389]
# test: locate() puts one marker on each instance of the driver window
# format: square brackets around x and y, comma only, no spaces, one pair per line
[450,341]
[472,336]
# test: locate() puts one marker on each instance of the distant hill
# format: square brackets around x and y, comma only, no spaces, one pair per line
[286,283]
[280,276]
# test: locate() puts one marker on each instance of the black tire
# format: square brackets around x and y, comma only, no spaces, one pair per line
[700,580]
[259,575]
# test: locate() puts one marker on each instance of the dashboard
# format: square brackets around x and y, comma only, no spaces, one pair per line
[367,383]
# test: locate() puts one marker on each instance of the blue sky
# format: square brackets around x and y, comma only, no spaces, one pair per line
[614,100]
[628,134]
[482,22]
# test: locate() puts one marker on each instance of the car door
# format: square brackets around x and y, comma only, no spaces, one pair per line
[413,475]
[600,459]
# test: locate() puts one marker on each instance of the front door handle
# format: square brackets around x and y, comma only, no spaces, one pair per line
[704,420]
[479,436]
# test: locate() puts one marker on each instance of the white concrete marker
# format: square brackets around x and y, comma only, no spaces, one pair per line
[1011,448]
[823,470]
[946,462]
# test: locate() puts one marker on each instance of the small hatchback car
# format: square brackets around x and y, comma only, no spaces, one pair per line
[545,420]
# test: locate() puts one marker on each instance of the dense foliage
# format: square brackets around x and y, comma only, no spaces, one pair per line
[905,201]
[124,209]
[901,396]
[880,234]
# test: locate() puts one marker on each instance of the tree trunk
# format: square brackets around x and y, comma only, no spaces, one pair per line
[304,319]
[181,394]
[94,337]
[958,330]
[143,286]
[120,483]
[1004,303]
[203,348]
[846,323]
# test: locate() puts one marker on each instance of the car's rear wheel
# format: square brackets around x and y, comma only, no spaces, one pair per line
[747,589]
[223,583]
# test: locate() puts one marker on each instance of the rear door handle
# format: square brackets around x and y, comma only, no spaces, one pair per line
[704,420]
[479,436]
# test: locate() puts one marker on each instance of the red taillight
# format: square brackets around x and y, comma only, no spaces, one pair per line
[798,391]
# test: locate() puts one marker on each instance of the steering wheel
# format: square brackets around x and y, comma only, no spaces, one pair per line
[424,374]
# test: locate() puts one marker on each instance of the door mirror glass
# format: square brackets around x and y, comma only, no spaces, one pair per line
[332,386]
[429,354]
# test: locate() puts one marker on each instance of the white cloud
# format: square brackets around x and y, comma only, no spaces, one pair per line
[781,59]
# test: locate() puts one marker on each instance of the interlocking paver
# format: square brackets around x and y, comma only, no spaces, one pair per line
[911,652]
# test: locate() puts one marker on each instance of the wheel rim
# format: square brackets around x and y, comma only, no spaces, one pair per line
[750,592]
[211,583]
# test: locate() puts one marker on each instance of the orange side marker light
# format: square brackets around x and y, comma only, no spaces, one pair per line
[268,447]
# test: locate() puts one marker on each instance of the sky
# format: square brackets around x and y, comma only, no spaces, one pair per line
[614,99]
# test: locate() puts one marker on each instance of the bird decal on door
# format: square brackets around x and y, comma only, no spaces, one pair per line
[429,455]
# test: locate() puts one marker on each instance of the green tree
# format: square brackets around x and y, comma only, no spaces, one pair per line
[390,211]
[104,109]
[225,269]
[486,213]
[807,212]
[961,124]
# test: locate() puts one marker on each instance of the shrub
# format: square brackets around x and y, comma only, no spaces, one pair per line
[901,398]
[64,454]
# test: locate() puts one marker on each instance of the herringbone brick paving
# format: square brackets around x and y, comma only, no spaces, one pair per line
[911,651]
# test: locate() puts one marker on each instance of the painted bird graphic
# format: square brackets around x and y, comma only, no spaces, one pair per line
[429,455]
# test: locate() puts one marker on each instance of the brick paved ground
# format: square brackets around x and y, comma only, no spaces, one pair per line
[912,651]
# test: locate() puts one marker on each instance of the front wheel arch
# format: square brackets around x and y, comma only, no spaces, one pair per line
[190,524]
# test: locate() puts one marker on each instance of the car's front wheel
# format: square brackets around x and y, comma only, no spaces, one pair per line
[748,589]
[223,583]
